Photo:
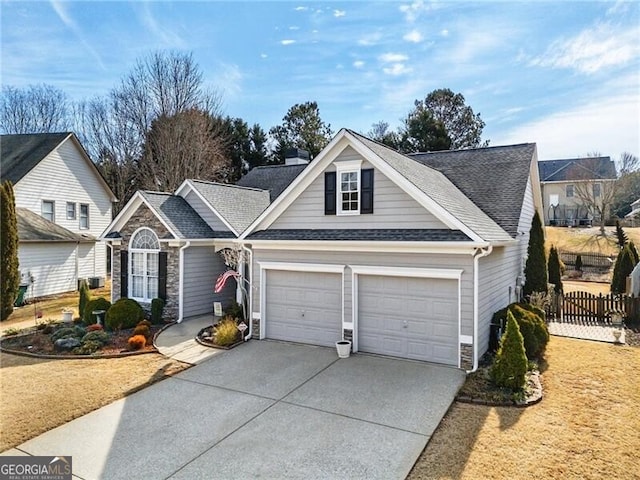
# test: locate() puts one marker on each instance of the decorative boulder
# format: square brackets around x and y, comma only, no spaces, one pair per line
[66,343]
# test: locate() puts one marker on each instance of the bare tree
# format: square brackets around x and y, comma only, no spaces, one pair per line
[595,188]
[188,144]
[34,109]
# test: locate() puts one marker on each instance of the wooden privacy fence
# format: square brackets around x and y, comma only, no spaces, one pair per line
[587,309]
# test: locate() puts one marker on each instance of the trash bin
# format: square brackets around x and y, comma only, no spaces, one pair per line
[20,298]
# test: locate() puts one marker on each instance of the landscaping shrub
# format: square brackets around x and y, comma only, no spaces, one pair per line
[510,365]
[234,311]
[579,263]
[125,313]
[157,306]
[99,336]
[95,327]
[99,303]
[226,332]
[142,330]
[137,342]
[67,332]
[535,269]
[531,324]
[84,299]
[555,273]
[87,348]
[145,322]
[622,269]
[634,252]
[9,266]
[620,235]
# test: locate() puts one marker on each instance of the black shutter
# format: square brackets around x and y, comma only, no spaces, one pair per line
[162,275]
[366,199]
[329,193]
[124,274]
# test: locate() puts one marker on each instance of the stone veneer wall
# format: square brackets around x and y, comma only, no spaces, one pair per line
[143,217]
[466,356]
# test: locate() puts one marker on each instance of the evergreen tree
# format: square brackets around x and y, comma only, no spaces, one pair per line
[579,263]
[634,252]
[510,365]
[535,269]
[555,275]
[622,269]
[85,297]
[9,273]
[621,236]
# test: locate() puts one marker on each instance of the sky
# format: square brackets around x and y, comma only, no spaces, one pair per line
[565,75]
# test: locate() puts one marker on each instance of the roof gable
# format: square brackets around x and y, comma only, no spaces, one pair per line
[573,169]
[483,175]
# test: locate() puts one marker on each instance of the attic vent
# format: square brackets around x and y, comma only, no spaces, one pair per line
[296,156]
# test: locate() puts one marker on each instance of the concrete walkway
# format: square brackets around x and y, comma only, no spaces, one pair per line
[585,332]
[178,341]
[264,410]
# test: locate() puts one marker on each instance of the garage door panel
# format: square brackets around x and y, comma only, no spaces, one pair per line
[408,317]
[303,307]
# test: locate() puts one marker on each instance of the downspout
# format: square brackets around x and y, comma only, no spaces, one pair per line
[480,253]
[249,293]
[181,288]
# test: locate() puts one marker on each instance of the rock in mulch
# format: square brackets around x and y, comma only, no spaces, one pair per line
[66,343]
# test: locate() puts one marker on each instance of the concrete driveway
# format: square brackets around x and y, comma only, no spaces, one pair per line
[265,409]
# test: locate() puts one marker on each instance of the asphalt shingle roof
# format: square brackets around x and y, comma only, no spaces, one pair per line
[239,205]
[370,234]
[20,153]
[35,228]
[576,169]
[440,189]
[494,178]
[274,178]
[180,216]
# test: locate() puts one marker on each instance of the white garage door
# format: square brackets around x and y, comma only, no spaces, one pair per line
[304,307]
[414,318]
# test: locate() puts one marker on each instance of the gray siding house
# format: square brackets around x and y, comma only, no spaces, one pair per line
[404,255]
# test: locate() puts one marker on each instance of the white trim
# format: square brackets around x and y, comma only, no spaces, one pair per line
[465,248]
[146,252]
[436,273]
[294,267]
[466,339]
[193,188]
[352,166]
[181,280]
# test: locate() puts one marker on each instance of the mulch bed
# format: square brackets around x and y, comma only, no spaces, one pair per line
[38,343]
[204,337]
[632,336]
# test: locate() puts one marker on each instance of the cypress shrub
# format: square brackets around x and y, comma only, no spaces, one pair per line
[84,298]
[125,313]
[510,365]
[157,306]
[9,268]
[555,275]
[535,269]
[622,269]
[579,263]
[99,303]
[532,327]
[620,235]
[634,252]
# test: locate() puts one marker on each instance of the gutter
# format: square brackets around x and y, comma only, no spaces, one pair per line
[181,289]
[480,253]
[249,314]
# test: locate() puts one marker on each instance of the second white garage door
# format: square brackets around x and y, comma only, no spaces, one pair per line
[304,307]
[406,317]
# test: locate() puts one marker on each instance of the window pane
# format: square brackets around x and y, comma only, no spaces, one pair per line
[71,211]
[48,210]
[137,287]
[145,239]
[152,264]
[137,265]
[353,176]
[152,287]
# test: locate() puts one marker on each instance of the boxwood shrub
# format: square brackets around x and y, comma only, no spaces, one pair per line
[125,313]
[99,303]
[533,328]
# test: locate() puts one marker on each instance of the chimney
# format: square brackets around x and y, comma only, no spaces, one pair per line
[296,156]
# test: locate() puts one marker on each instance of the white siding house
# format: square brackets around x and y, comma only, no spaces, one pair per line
[54,178]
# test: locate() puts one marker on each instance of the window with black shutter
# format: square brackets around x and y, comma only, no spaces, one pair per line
[366,199]
[330,193]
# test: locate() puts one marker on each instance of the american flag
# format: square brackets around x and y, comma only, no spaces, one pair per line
[222,280]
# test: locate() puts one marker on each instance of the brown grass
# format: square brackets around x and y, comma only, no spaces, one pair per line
[586,427]
[37,395]
[591,287]
[51,308]
[587,239]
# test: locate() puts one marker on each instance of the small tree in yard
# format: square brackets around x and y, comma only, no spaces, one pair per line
[85,297]
[555,276]
[510,365]
[579,263]
[9,274]
[634,252]
[535,269]
[622,269]
[620,235]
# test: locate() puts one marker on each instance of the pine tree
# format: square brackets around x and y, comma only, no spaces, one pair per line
[535,269]
[621,236]
[622,269]
[8,251]
[510,365]
[555,275]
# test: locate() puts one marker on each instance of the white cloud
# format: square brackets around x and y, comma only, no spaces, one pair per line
[339,13]
[358,64]
[370,39]
[609,125]
[593,49]
[444,32]
[263,55]
[294,27]
[413,10]
[287,42]
[393,57]
[301,9]
[414,36]
[397,69]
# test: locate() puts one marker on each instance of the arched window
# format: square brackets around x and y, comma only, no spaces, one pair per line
[143,265]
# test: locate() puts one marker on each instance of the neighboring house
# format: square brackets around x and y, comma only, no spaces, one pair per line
[407,256]
[567,183]
[62,204]
[635,210]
